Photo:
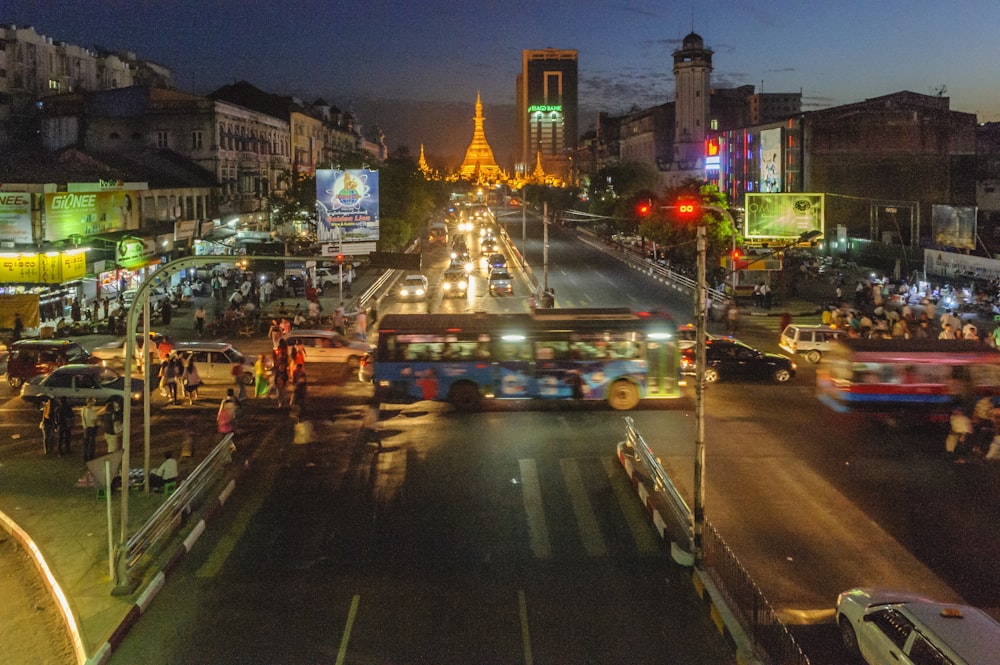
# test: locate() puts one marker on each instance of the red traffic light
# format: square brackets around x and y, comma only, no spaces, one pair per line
[643,209]
[736,254]
[688,209]
[340,258]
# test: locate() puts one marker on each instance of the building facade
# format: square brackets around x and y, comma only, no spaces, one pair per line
[547,111]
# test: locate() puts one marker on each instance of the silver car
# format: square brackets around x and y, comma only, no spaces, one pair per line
[326,346]
[78,383]
[216,361]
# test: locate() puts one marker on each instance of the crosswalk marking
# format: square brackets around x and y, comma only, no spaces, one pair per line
[531,493]
[646,540]
[586,519]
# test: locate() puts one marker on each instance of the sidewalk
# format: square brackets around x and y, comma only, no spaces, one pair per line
[65,527]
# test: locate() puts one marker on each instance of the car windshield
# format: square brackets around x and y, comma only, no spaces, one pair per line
[499,274]
[75,353]
[107,376]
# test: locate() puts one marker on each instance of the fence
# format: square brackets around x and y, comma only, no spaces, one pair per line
[770,637]
[190,495]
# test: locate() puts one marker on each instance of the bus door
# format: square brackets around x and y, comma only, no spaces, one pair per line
[661,368]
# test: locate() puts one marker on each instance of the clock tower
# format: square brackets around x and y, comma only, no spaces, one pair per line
[692,84]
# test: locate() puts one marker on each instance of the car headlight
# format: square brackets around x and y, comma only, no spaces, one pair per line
[446,286]
[420,292]
[403,292]
[462,284]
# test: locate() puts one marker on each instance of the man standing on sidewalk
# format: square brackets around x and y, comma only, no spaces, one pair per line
[88,414]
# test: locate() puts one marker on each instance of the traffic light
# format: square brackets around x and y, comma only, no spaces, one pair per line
[688,209]
[643,208]
[736,254]
[340,259]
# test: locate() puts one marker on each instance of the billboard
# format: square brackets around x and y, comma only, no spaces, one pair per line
[347,205]
[54,268]
[15,217]
[783,215]
[87,213]
[954,226]
[770,161]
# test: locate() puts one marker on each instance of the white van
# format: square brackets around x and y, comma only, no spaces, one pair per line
[810,341]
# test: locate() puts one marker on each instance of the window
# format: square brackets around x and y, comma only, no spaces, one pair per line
[161,139]
[895,627]
[196,139]
[922,653]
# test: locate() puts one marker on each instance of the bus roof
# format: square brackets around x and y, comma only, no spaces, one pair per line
[915,349]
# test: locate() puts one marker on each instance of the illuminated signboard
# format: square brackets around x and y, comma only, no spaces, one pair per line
[783,215]
[545,108]
[86,213]
[770,160]
[15,217]
[347,205]
[712,159]
[49,268]
[954,226]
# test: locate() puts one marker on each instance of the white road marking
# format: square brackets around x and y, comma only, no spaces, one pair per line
[531,494]
[586,519]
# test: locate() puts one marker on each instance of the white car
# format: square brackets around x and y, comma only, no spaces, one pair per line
[326,346]
[215,361]
[413,287]
[894,627]
[78,383]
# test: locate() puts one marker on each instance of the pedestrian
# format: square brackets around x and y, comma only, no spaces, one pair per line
[261,387]
[166,311]
[239,381]
[299,387]
[111,421]
[361,325]
[88,416]
[371,431]
[225,418]
[48,425]
[199,320]
[732,318]
[274,332]
[191,380]
[338,318]
[786,320]
[961,428]
[64,425]
[18,327]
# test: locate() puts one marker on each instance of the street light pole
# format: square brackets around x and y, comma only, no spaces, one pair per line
[701,325]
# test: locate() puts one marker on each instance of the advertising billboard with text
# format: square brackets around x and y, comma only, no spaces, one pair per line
[15,217]
[86,213]
[347,205]
[783,215]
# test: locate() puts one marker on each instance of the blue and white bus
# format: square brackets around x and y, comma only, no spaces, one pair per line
[592,354]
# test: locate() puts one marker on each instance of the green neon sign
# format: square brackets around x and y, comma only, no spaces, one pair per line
[545,108]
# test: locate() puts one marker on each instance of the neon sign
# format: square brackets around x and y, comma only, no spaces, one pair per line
[545,108]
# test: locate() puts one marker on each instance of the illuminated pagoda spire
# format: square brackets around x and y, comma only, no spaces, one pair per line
[422,162]
[538,175]
[479,164]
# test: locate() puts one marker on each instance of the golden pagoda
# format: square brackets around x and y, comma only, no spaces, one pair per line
[422,163]
[479,164]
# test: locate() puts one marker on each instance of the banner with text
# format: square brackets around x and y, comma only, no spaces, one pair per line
[347,207]
[86,213]
[15,217]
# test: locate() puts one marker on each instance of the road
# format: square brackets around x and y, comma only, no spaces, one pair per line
[425,553]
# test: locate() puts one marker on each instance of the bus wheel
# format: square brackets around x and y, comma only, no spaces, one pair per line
[623,395]
[464,397]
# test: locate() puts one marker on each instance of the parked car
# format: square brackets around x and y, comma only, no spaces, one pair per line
[29,358]
[325,346]
[891,627]
[810,341]
[78,383]
[454,283]
[215,361]
[329,278]
[731,359]
[413,287]
[500,282]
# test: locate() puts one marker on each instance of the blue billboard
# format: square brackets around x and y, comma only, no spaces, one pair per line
[347,205]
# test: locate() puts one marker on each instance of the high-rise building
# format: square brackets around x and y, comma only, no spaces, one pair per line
[547,111]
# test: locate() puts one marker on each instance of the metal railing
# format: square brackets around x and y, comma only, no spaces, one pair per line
[771,640]
[770,637]
[190,495]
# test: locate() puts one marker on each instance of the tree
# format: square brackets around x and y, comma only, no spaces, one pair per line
[677,238]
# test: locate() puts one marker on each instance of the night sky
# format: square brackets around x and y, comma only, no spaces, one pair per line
[413,68]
